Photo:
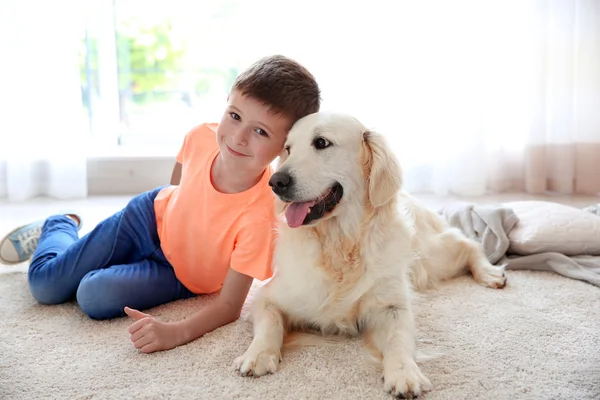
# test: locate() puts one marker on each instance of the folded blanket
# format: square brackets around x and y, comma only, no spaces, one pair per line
[491,224]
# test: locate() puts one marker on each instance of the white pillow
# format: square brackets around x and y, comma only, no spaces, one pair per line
[552,227]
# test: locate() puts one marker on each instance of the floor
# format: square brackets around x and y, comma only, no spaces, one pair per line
[536,339]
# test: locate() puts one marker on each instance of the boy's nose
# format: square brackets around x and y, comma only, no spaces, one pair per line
[240,136]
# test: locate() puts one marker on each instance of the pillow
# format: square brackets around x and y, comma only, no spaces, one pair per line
[552,227]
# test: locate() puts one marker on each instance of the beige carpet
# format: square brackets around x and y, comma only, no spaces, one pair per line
[537,339]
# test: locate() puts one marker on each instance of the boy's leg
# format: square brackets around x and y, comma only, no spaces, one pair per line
[58,234]
[61,260]
[104,293]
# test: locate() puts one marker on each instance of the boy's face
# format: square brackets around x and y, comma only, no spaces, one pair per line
[250,135]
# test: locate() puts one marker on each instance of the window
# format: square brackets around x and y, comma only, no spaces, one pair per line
[150,72]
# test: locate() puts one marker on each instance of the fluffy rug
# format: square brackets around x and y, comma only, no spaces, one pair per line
[539,338]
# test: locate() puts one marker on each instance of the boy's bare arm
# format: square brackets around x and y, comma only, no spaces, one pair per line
[149,334]
[226,309]
[176,175]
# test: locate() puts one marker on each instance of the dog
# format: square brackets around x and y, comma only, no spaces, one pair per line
[350,251]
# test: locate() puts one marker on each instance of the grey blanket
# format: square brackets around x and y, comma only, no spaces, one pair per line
[491,224]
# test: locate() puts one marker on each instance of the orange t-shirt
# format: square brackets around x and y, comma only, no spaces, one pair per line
[204,232]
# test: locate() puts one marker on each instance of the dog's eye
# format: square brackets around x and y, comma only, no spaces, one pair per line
[321,143]
[287,149]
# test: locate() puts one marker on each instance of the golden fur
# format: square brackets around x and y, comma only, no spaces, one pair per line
[352,272]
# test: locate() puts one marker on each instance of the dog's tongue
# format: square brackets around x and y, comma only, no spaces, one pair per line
[296,213]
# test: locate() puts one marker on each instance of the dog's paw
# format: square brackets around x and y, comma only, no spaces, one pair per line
[493,277]
[407,382]
[257,363]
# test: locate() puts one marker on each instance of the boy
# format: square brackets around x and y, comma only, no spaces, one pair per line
[211,229]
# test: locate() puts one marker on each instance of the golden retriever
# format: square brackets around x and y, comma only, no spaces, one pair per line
[350,250]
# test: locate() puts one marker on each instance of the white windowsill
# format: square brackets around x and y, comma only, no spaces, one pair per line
[95,151]
[128,170]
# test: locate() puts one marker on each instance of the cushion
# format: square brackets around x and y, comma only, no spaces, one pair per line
[552,227]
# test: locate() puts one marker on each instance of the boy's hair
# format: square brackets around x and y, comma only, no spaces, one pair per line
[282,84]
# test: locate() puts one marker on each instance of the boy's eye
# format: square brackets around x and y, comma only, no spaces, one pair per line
[235,116]
[262,132]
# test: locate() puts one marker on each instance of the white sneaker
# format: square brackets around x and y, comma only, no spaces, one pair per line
[19,245]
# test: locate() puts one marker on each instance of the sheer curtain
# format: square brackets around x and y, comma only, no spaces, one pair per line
[43,129]
[474,96]
[563,147]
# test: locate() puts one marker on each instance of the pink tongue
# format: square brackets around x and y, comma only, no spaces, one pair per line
[296,213]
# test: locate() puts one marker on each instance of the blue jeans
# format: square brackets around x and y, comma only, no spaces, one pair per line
[119,263]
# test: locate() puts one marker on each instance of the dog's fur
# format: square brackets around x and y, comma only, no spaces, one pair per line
[352,271]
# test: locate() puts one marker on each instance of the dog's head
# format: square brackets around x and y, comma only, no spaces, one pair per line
[331,162]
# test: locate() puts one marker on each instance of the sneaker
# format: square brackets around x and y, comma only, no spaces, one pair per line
[19,245]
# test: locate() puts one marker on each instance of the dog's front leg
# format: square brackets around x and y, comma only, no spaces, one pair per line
[391,331]
[264,354]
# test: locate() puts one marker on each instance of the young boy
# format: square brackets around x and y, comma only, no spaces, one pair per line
[212,229]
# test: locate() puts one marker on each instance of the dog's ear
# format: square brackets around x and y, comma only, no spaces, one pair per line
[384,175]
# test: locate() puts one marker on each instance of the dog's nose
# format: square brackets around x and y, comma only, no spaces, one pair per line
[280,182]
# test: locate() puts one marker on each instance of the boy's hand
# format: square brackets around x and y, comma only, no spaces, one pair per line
[149,334]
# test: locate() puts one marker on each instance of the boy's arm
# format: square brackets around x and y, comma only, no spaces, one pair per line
[176,175]
[252,257]
[225,310]
[149,334]
[253,250]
